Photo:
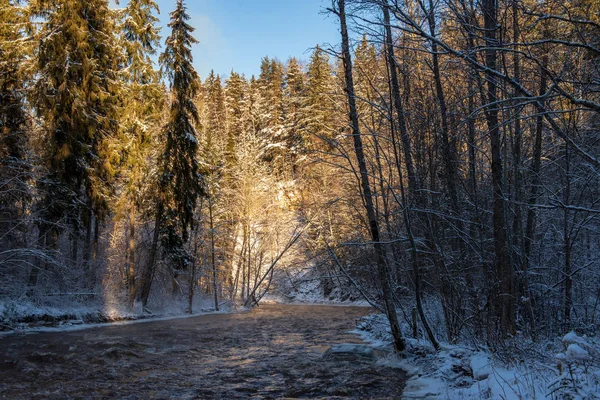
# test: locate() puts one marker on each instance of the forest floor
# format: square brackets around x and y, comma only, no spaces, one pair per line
[564,368]
[272,352]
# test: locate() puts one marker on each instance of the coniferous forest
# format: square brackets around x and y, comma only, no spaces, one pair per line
[442,162]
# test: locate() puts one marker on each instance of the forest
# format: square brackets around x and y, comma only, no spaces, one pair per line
[442,162]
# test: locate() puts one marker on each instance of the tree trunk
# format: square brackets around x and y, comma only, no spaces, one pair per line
[451,299]
[192,280]
[504,299]
[448,148]
[568,280]
[533,194]
[149,271]
[131,255]
[366,190]
[212,253]
[397,101]
[239,270]
[412,181]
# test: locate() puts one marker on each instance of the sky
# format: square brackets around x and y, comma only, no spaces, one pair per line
[237,34]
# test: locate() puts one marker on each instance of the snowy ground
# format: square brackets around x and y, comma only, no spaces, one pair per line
[308,290]
[28,316]
[462,372]
[80,311]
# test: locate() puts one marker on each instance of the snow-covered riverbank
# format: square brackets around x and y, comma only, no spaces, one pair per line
[30,317]
[564,368]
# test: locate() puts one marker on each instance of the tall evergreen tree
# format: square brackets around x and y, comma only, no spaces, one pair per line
[180,182]
[14,167]
[76,95]
[235,88]
[295,89]
[144,99]
[319,104]
[215,129]
[270,83]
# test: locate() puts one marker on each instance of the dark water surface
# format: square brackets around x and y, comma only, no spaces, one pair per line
[273,352]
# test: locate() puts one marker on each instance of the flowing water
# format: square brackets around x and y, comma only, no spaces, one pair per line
[272,352]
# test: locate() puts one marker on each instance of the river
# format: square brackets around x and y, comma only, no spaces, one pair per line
[272,352]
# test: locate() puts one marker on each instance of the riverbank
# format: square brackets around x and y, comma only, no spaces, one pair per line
[565,367]
[28,316]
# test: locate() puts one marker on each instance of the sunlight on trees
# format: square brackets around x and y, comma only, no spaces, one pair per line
[444,158]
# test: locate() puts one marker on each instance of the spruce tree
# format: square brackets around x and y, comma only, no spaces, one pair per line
[270,83]
[215,129]
[180,181]
[76,96]
[235,88]
[270,110]
[14,168]
[295,90]
[319,104]
[143,96]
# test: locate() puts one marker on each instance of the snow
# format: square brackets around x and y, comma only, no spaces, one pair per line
[423,388]
[572,337]
[350,350]
[30,317]
[575,352]
[78,325]
[304,288]
[464,372]
[481,366]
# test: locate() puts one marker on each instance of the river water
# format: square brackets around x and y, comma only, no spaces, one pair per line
[272,352]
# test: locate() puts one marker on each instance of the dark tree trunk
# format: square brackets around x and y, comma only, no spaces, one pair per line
[366,189]
[451,299]
[148,274]
[212,253]
[131,255]
[397,102]
[504,299]
[413,194]
[567,244]
[533,195]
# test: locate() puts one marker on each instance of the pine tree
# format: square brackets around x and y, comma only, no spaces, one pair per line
[366,72]
[76,95]
[144,99]
[14,168]
[295,90]
[180,182]
[215,129]
[270,83]
[236,102]
[319,104]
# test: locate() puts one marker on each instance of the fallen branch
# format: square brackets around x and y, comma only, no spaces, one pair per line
[295,236]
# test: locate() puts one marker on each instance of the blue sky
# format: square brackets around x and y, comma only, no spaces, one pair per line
[238,33]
